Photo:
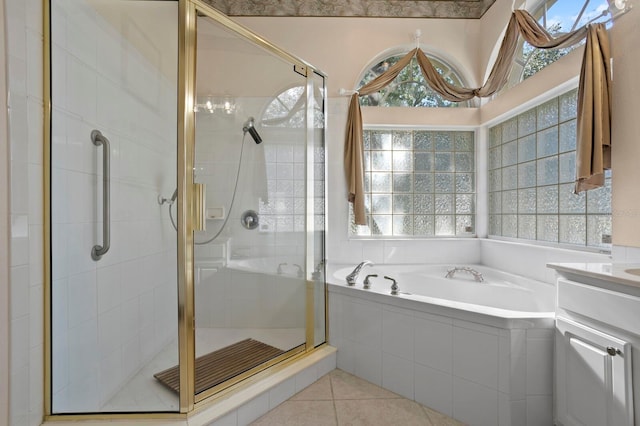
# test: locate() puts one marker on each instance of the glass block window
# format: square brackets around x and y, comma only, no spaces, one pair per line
[531,162]
[284,207]
[418,183]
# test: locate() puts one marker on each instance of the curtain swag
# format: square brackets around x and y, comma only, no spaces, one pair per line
[593,152]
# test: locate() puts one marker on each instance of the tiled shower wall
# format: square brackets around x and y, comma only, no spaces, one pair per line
[24,66]
[112,316]
[271,181]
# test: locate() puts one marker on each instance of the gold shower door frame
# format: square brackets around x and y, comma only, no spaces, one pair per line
[188,11]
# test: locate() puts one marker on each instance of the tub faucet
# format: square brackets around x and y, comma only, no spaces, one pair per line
[476,275]
[280,271]
[351,278]
[394,285]
[367,283]
[298,269]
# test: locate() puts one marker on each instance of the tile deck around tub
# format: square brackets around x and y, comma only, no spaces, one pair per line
[340,398]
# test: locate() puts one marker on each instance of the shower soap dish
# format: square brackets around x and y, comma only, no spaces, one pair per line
[215,213]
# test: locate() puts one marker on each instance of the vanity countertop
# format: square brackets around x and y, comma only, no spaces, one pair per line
[621,277]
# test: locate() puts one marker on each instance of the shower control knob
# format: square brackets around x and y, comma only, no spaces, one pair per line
[249,219]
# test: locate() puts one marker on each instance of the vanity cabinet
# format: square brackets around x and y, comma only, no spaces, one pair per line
[593,376]
[596,331]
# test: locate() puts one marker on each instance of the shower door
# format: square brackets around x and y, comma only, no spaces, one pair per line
[254,261]
[113,155]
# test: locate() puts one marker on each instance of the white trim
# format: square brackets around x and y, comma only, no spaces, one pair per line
[533,102]
[451,128]
[551,244]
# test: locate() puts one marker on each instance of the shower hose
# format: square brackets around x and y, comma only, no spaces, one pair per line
[233,198]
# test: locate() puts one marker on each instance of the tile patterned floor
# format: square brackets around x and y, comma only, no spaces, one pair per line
[341,399]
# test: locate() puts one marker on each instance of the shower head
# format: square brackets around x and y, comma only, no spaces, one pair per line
[248,127]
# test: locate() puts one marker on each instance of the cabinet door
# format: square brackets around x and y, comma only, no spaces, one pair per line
[593,377]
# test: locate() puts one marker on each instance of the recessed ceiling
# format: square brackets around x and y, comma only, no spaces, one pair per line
[462,9]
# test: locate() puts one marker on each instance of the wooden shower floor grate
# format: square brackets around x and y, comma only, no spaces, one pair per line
[221,365]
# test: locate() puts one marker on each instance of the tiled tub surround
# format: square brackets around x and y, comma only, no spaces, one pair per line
[479,368]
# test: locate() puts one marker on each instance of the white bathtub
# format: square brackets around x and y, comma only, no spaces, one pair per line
[249,293]
[481,352]
[501,294]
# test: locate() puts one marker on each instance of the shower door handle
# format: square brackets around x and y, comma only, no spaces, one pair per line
[99,250]
[199,207]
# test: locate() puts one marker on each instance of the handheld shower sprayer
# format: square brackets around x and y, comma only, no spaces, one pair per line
[249,127]
[170,201]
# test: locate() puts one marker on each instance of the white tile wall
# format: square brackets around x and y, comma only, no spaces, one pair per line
[531,260]
[474,404]
[475,356]
[277,390]
[397,375]
[24,66]
[479,374]
[623,254]
[115,314]
[434,389]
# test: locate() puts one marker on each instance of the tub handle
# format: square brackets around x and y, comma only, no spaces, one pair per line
[394,285]
[367,283]
[476,275]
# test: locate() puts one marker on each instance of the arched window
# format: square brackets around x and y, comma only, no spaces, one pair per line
[409,89]
[288,109]
[557,16]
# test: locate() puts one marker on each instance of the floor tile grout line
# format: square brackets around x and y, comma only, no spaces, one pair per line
[424,409]
[333,400]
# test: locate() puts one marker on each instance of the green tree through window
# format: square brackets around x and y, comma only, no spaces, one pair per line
[558,17]
[409,89]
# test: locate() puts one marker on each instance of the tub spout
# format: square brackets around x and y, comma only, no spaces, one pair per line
[476,275]
[351,278]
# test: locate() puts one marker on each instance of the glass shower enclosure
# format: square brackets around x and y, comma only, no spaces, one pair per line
[185,206]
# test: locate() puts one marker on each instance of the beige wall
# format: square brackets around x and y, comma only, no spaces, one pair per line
[625,40]
[343,47]
[4,231]
[492,27]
